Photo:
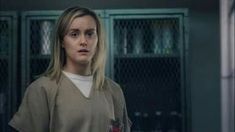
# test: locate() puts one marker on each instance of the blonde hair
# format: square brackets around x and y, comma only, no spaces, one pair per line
[58,56]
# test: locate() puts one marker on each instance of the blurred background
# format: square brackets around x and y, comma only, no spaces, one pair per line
[173,59]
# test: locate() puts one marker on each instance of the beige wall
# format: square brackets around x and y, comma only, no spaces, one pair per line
[227,65]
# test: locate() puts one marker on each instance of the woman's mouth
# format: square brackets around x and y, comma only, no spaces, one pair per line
[83,51]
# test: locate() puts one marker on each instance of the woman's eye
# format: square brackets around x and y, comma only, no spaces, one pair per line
[90,34]
[74,34]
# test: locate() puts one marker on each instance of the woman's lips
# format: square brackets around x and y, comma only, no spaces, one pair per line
[83,50]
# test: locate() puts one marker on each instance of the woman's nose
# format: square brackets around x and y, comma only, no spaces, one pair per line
[83,40]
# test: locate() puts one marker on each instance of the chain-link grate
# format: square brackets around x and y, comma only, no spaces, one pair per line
[4,93]
[38,66]
[40,46]
[4,37]
[147,65]
[151,36]
[40,36]
[4,73]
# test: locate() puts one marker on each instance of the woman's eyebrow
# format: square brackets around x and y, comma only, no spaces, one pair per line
[91,29]
[74,30]
[77,30]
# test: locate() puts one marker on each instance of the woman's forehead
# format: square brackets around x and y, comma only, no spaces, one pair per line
[83,22]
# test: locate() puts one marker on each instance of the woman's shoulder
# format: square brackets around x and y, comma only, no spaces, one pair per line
[116,92]
[113,86]
[42,82]
[112,83]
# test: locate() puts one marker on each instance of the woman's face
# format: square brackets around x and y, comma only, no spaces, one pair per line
[81,40]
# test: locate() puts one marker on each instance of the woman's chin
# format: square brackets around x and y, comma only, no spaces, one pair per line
[83,61]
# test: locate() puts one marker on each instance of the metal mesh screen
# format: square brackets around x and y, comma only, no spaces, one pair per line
[4,38]
[4,93]
[4,73]
[148,36]
[148,66]
[40,36]
[40,46]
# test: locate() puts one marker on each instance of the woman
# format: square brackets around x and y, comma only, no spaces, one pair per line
[73,94]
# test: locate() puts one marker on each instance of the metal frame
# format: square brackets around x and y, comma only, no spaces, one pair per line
[26,17]
[11,98]
[182,15]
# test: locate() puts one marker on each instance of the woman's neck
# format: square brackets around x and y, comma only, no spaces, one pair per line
[81,69]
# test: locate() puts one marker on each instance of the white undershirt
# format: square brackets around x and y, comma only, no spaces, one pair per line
[83,83]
